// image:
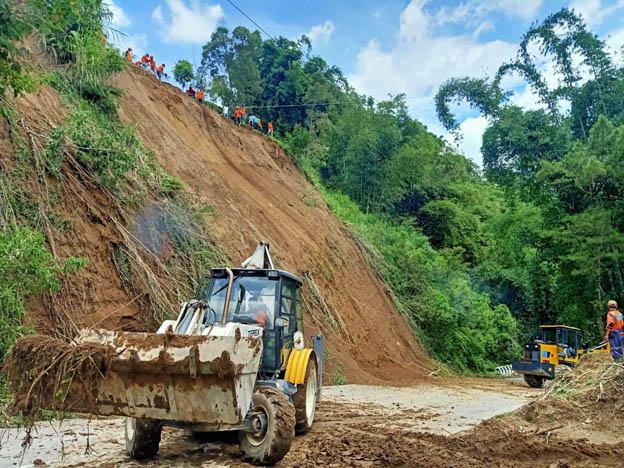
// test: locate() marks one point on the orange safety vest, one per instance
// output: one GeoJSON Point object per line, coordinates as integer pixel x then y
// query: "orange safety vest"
{"type": "Point", "coordinates": [152, 64]}
{"type": "Point", "coordinates": [270, 125]}
{"type": "Point", "coordinates": [615, 320]}
{"type": "Point", "coordinates": [243, 111]}
{"type": "Point", "coordinates": [259, 123]}
{"type": "Point", "coordinates": [129, 56]}
{"type": "Point", "coordinates": [160, 68]}
{"type": "Point", "coordinates": [200, 95]}
{"type": "Point", "coordinates": [145, 58]}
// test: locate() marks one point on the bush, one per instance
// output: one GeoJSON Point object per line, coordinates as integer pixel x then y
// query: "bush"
{"type": "Point", "coordinates": [26, 268]}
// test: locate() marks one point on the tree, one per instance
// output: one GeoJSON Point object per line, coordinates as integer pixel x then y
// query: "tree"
{"type": "Point", "coordinates": [183, 72]}
{"type": "Point", "coordinates": [517, 142]}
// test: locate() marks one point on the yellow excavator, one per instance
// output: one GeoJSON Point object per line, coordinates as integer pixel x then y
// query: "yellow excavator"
{"type": "Point", "coordinates": [233, 360]}
{"type": "Point", "coordinates": [552, 346]}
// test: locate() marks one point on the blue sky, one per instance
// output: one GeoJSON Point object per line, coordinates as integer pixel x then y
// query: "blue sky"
{"type": "Point", "coordinates": [382, 46]}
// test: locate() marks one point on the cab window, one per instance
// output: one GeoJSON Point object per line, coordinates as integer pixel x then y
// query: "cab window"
{"type": "Point", "coordinates": [287, 306]}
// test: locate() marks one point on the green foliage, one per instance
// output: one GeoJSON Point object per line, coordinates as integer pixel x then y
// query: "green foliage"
{"type": "Point", "coordinates": [183, 72]}
{"type": "Point", "coordinates": [13, 73]}
{"type": "Point", "coordinates": [239, 68]}
{"type": "Point", "coordinates": [104, 146]}
{"type": "Point", "coordinates": [74, 33]}
{"type": "Point", "coordinates": [169, 185]}
{"type": "Point", "coordinates": [435, 293]}
{"type": "Point", "coordinates": [26, 269]}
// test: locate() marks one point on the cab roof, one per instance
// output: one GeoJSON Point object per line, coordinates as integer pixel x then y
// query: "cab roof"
{"type": "Point", "coordinates": [560, 326]}
{"type": "Point", "coordinates": [221, 272]}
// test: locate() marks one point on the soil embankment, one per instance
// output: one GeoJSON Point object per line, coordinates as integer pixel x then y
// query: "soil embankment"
{"type": "Point", "coordinates": [256, 193]}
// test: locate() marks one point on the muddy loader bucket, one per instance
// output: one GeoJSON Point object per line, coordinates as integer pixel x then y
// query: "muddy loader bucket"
{"type": "Point", "coordinates": [198, 379]}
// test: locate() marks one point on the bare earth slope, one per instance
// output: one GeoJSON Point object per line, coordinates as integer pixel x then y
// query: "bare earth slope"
{"type": "Point", "coordinates": [257, 194]}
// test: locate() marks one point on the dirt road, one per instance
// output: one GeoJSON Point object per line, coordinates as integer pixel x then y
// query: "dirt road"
{"type": "Point", "coordinates": [445, 408]}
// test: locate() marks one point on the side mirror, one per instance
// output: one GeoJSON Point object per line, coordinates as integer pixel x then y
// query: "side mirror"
{"type": "Point", "coordinates": [282, 322]}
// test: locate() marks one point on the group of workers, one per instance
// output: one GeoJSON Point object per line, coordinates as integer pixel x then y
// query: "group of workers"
{"type": "Point", "coordinates": [240, 114]}
{"type": "Point", "coordinates": [240, 117]}
{"type": "Point", "coordinates": [147, 62]}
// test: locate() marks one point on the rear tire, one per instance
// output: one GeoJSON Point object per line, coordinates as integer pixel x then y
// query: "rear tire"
{"type": "Point", "coordinates": [142, 437]}
{"type": "Point", "coordinates": [534, 381]}
{"type": "Point", "coordinates": [305, 400]}
{"type": "Point", "coordinates": [271, 446]}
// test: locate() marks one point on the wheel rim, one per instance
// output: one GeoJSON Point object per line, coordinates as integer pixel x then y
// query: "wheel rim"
{"type": "Point", "coordinates": [130, 428]}
{"type": "Point", "coordinates": [311, 398]}
{"type": "Point", "coordinates": [257, 438]}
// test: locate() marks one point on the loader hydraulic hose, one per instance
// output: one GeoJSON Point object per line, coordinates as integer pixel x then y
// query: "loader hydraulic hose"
{"type": "Point", "coordinates": [226, 306]}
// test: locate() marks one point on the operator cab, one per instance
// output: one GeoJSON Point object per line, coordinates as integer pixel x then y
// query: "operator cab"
{"type": "Point", "coordinates": [557, 344]}
{"type": "Point", "coordinates": [264, 297]}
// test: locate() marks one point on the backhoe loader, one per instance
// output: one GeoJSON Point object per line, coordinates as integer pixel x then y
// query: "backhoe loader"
{"type": "Point", "coordinates": [233, 360]}
{"type": "Point", "coordinates": [552, 347]}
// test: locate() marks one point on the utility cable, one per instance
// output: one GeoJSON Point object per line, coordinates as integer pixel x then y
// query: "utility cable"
{"type": "Point", "coordinates": [250, 18]}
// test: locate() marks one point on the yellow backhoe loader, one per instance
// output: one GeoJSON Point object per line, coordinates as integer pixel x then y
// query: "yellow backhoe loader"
{"type": "Point", "coordinates": [552, 346]}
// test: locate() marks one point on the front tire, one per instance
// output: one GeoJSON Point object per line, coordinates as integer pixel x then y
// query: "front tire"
{"type": "Point", "coordinates": [271, 444]}
{"type": "Point", "coordinates": [534, 381]}
{"type": "Point", "coordinates": [305, 400]}
{"type": "Point", "coordinates": [142, 437]}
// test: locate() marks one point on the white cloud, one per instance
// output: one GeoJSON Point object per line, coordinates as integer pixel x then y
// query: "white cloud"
{"type": "Point", "coordinates": [471, 12]}
{"type": "Point", "coordinates": [472, 130]}
{"type": "Point", "coordinates": [193, 23]}
{"type": "Point", "coordinates": [120, 19]}
{"type": "Point", "coordinates": [420, 60]}
{"type": "Point", "coordinates": [615, 42]}
{"type": "Point", "coordinates": [593, 11]}
{"type": "Point", "coordinates": [320, 34]}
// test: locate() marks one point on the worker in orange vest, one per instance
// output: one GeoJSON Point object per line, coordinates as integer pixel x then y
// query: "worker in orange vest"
{"type": "Point", "coordinates": [614, 330]}
{"type": "Point", "coordinates": [237, 115]}
{"type": "Point", "coordinates": [129, 54]}
{"type": "Point", "coordinates": [160, 71]}
{"type": "Point", "coordinates": [259, 124]}
{"type": "Point", "coordinates": [152, 64]}
{"type": "Point", "coordinates": [243, 114]}
{"type": "Point", "coordinates": [270, 130]}
{"type": "Point", "coordinates": [145, 60]}
{"type": "Point", "coordinates": [200, 95]}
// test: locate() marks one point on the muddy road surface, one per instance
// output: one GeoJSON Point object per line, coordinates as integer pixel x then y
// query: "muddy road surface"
{"type": "Point", "coordinates": [444, 408]}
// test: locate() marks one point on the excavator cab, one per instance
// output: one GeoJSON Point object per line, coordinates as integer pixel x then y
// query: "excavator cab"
{"type": "Point", "coordinates": [550, 346]}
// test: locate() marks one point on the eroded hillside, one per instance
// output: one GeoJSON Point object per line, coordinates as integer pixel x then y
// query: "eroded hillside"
{"type": "Point", "coordinates": [254, 192]}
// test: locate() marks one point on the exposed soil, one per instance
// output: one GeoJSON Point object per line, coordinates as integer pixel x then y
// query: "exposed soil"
{"type": "Point", "coordinates": [257, 194]}
{"type": "Point", "coordinates": [362, 424]}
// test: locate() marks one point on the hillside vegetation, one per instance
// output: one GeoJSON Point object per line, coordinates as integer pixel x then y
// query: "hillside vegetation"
{"type": "Point", "coordinates": [472, 260]}
{"type": "Point", "coordinates": [475, 259]}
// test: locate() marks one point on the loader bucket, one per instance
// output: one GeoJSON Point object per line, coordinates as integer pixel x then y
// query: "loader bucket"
{"type": "Point", "coordinates": [196, 379]}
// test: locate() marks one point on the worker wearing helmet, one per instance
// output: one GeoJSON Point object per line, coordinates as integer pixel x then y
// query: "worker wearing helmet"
{"type": "Point", "coordinates": [613, 334]}
{"type": "Point", "coordinates": [129, 54]}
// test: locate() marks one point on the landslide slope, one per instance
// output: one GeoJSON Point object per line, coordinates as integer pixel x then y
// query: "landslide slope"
{"type": "Point", "coordinates": [256, 193]}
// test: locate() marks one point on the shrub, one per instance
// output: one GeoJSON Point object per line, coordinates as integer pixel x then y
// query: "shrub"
{"type": "Point", "coordinates": [26, 268]}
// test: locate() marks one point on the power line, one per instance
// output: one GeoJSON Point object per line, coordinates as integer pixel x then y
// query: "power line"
{"type": "Point", "coordinates": [297, 105]}
{"type": "Point", "coordinates": [249, 18]}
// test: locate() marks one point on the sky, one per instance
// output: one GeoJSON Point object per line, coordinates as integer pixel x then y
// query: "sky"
{"type": "Point", "coordinates": [383, 47]}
